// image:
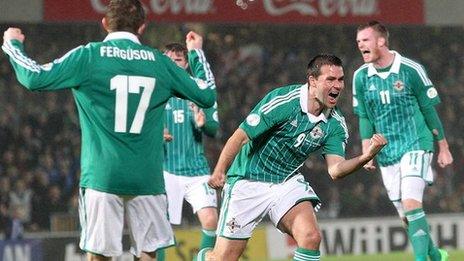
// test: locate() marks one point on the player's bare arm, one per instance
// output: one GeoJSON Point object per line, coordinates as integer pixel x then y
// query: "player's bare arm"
{"type": "Point", "coordinates": [370, 165]}
{"type": "Point", "coordinates": [338, 167]}
{"type": "Point", "coordinates": [13, 33]}
{"type": "Point", "coordinates": [230, 150]}
{"type": "Point", "coordinates": [193, 41]}
{"type": "Point", "coordinates": [444, 157]}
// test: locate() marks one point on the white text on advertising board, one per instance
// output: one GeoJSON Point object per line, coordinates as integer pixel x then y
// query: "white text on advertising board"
{"type": "Point", "coordinates": [194, 7]}
{"type": "Point", "coordinates": [322, 7]}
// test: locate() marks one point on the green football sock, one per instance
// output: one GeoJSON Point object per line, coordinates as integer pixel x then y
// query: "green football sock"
{"type": "Point", "coordinates": [418, 232]}
{"type": "Point", "coordinates": [201, 256]}
{"type": "Point", "coordinates": [160, 255]}
{"type": "Point", "coordinates": [433, 252]}
{"type": "Point", "coordinates": [208, 238]}
{"type": "Point", "coordinates": [303, 254]}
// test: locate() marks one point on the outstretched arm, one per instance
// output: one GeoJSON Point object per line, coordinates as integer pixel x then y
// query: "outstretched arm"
{"type": "Point", "coordinates": [230, 150]}
{"type": "Point", "coordinates": [201, 88]}
{"type": "Point", "coordinates": [68, 71]}
{"type": "Point", "coordinates": [339, 167]}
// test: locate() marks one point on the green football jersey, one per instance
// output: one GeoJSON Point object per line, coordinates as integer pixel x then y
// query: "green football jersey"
{"type": "Point", "coordinates": [185, 155]}
{"type": "Point", "coordinates": [283, 134]}
{"type": "Point", "coordinates": [120, 88]}
{"type": "Point", "coordinates": [391, 99]}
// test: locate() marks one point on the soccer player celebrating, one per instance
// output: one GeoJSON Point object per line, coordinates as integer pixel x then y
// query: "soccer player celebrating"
{"type": "Point", "coordinates": [186, 169]}
{"type": "Point", "coordinates": [393, 95]}
{"type": "Point", "coordinates": [121, 88]}
{"type": "Point", "coordinates": [269, 148]}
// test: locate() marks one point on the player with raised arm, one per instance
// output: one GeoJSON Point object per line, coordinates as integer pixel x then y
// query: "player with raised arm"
{"type": "Point", "coordinates": [267, 151]}
{"type": "Point", "coordinates": [120, 88]}
{"type": "Point", "coordinates": [393, 95]}
{"type": "Point", "coordinates": [186, 169]}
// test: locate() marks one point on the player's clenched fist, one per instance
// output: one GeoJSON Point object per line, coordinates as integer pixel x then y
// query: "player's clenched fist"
{"type": "Point", "coordinates": [193, 41]}
{"type": "Point", "coordinates": [13, 34]}
{"type": "Point", "coordinates": [217, 180]}
{"type": "Point", "coordinates": [377, 143]}
{"type": "Point", "coordinates": [167, 136]}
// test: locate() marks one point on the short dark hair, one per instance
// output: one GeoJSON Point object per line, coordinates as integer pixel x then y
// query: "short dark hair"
{"type": "Point", "coordinates": [177, 48]}
{"type": "Point", "coordinates": [378, 27]}
{"type": "Point", "coordinates": [125, 15]}
{"type": "Point", "coordinates": [315, 65]}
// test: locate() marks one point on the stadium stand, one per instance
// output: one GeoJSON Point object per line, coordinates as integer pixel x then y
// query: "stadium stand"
{"type": "Point", "coordinates": [40, 137]}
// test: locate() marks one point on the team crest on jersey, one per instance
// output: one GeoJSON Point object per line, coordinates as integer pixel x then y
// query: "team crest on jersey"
{"type": "Point", "coordinates": [432, 92]}
{"type": "Point", "coordinates": [253, 119]}
{"type": "Point", "coordinates": [316, 132]}
{"type": "Point", "coordinates": [233, 225]}
{"type": "Point", "coordinates": [398, 85]}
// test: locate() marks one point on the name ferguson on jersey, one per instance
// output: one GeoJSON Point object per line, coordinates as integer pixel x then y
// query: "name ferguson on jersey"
{"type": "Point", "coordinates": [127, 54]}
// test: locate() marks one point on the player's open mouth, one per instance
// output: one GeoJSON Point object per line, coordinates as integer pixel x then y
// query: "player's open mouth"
{"type": "Point", "coordinates": [334, 94]}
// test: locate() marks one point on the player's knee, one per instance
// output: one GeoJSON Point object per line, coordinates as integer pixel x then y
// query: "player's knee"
{"type": "Point", "coordinates": [309, 239]}
{"type": "Point", "coordinates": [209, 221]}
{"type": "Point", "coordinates": [210, 224]}
{"type": "Point", "coordinates": [411, 204]}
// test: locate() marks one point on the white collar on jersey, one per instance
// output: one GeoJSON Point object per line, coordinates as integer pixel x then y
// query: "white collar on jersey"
{"type": "Point", "coordinates": [122, 35]}
{"type": "Point", "coordinates": [304, 92]}
{"type": "Point", "coordinates": [395, 68]}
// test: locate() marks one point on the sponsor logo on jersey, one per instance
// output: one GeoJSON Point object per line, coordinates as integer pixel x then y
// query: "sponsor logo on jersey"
{"type": "Point", "coordinates": [316, 132]}
{"type": "Point", "coordinates": [372, 88]}
{"type": "Point", "coordinates": [168, 106]}
{"type": "Point", "coordinates": [253, 119]}
{"type": "Point", "coordinates": [432, 92]}
{"type": "Point", "coordinates": [233, 225]}
{"type": "Point", "coordinates": [294, 123]}
{"type": "Point", "coordinates": [398, 85]}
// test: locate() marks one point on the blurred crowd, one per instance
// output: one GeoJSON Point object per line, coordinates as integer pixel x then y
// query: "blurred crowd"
{"type": "Point", "coordinates": [40, 135]}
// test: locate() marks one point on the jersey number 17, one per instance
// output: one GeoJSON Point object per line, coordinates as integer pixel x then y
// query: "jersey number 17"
{"type": "Point", "coordinates": [123, 85]}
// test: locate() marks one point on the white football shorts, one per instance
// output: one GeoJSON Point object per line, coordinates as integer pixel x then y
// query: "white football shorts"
{"type": "Point", "coordinates": [102, 221]}
{"type": "Point", "coordinates": [407, 179]}
{"type": "Point", "coordinates": [195, 190]}
{"type": "Point", "coordinates": [246, 202]}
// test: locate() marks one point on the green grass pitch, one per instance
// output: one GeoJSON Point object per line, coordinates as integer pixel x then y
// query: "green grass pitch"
{"type": "Point", "coordinates": [399, 256]}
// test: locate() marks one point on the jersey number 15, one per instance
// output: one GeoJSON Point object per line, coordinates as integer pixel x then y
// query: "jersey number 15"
{"type": "Point", "coordinates": [123, 85]}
